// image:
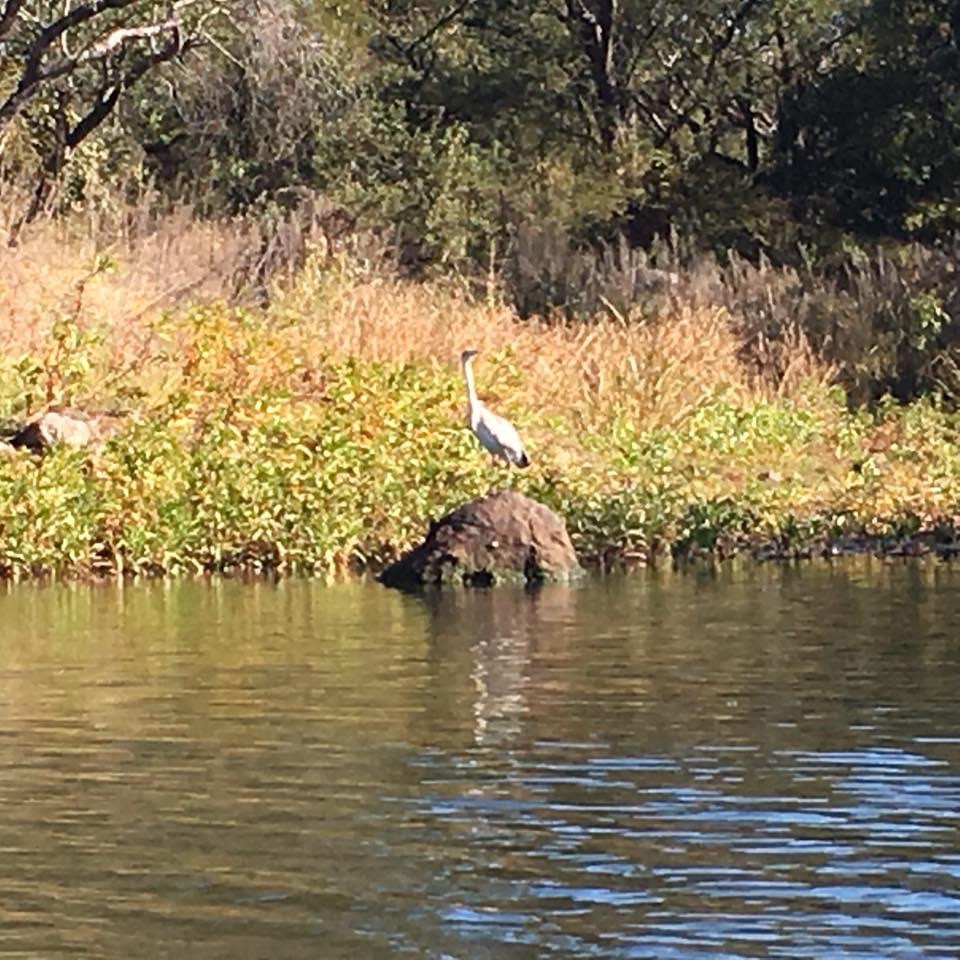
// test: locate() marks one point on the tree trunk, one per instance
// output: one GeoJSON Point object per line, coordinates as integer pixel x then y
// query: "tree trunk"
{"type": "Point", "coordinates": [596, 33]}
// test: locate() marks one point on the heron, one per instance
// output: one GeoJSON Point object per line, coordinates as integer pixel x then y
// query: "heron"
{"type": "Point", "coordinates": [496, 435]}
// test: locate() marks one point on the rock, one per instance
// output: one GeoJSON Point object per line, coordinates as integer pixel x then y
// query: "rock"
{"type": "Point", "coordinates": [502, 537]}
{"type": "Point", "coordinates": [75, 428]}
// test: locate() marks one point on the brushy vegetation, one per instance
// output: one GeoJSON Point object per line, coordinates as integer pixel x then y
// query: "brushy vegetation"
{"type": "Point", "coordinates": [322, 433]}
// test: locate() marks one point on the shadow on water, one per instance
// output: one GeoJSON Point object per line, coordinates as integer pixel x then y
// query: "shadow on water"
{"type": "Point", "coordinates": [742, 762]}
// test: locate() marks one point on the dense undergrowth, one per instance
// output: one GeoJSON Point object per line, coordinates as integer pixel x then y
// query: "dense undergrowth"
{"type": "Point", "coordinates": [323, 433]}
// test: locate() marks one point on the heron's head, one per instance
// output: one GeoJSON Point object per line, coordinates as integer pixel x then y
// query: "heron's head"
{"type": "Point", "coordinates": [467, 356]}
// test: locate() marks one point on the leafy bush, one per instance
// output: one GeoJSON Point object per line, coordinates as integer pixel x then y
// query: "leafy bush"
{"type": "Point", "coordinates": [247, 457]}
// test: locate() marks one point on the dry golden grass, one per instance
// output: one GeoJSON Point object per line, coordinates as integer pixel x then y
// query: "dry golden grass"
{"type": "Point", "coordinates": [654, 372]}
{"type": "Point", "coordinates": [154, 264]}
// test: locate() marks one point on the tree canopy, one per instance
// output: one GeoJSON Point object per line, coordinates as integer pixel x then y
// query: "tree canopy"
{"type": "Point", "coordinates": [748, 125]}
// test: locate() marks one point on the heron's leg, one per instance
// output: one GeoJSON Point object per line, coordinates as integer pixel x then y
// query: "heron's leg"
{"type": "Point", "coordinates": [495, 466]}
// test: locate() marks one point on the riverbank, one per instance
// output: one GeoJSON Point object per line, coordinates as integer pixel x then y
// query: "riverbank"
{"type": "Point", "coordinates": [323, 433]}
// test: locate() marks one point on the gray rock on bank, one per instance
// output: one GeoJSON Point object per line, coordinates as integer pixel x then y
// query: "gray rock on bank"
{"type": "Point", "coordinates": [65, 425]}
{"type": "Point", "coordinates": [503, 537]}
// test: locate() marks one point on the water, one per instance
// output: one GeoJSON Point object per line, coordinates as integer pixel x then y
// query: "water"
{"type": "Point", "coordinates": [761, 763]}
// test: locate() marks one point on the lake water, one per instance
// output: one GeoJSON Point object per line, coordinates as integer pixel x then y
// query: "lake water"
{"type": "Point", "coordinates": [761, 762]}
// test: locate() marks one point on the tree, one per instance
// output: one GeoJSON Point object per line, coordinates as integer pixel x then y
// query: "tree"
{"type": "Point", "coordinates": [872, 145]}
{"type": "Point", "coordinates": [247, 124]}
{"type": "Point", "coordinates": [66, 66]}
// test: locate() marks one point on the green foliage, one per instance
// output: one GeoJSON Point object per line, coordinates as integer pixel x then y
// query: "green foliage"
{"type": "Point", "coordinates": [793, 164]}
{"type": "Point", "coordinates": [890, 169]}
{"type": "Point", "coordinates": [229, 471]}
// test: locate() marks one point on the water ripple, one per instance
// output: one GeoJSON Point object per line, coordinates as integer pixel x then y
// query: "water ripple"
{"type": "Point", "coordinates": [679, 768]}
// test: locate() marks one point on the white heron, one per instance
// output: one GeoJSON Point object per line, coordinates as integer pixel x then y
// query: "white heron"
{"type": "Point", "coordinates": [496, 435]}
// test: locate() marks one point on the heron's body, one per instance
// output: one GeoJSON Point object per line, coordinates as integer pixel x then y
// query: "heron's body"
{"type": "Point", "coordinates": [496, 435]}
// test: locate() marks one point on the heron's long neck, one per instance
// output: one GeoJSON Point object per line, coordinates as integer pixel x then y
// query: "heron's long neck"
{"type": "Point", "coordinates": [473, 400]}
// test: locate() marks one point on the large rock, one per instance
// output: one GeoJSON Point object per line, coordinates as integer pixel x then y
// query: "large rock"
{"type": "Point", "coordinates": [500, 538]}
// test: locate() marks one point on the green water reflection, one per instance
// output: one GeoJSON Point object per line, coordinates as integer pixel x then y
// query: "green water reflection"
{"type": "Point", "coordinates": [756, 762]}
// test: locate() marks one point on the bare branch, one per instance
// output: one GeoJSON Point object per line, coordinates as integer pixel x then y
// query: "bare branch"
{"type": "Point", "coordinates": [109, 95]}
{"type": "Point", "coordinates": [118, 73]}
{"type": "Point", "coordinates": [36, 72]}
{"type": "Point", "coordinates": [119, 37]}
{"type": "Point", "coordinates": [440, 24]}
{"type": "Point", "coordinates": [596, 32]}
{"type": "Point", "coordinates": [52, 33]}
{"type": "Point", "coordinates": [721, 42]}
{"type": "Point", "coordinates": [31, 75]}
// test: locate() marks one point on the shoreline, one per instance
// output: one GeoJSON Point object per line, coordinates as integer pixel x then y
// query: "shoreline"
{"type": "Point", "coordinates": [322, 435]}
{"type": "Point", "coordinates": [314, 490]}
{"type": "Point", "coordinates": [922, 546]}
